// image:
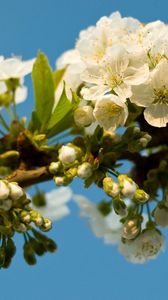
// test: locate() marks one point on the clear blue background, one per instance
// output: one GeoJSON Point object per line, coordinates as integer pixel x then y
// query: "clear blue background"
{"type": "Point", "coordinates": [84, 268]}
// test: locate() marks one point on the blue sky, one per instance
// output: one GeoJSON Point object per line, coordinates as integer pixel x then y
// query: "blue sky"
{"type": "Point", "coordinates": [84, 268]}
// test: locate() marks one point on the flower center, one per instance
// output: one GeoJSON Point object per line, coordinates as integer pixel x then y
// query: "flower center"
{"type": "Point", "coordinates": [161, 96]}
{"type": "Point", "coordinates": [113, 79]}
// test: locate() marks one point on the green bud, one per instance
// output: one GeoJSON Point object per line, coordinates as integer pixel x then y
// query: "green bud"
{"type": "Point", "coordinates": [37, 246]}
{"type": "Point", "coordinates": [104, 208]}
{"type": "Point", "coordinates": [55, 167]}
{"type": "Point", "coordinates": [50, 245]}
{"type": "Point", "coordinates": [39, 137]}
{"type": "Point", "coordinates": [10, 247]}
{"type": "Point", "coordinates": [119, 206]}
{"type": "Point", "coordinates": [29, 255]}
{"type": "Point", "coordinates": [2, 256]}
{"type": "Point", "coordinates": [39, 199]}
{"type": "Point", "coordinates": [140, 196]}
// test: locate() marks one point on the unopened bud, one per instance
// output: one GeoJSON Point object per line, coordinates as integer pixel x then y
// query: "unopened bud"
{"type": "Point", "coordinates": [120, 207]}
{"type": "Point", "coordinates": [140, 196]}
{"type": "Point", "coordinates": [127, 185]}
{"type": "Point", "coordinates": [84, 170]}
{"type": "Point", "coordinates": [5, 204]}
{"type": "Point", "coordinates": [110, 187]}
{"type": "Point", "coordinates": [25, 216]}
{"type": "Point", "coordinates": [161, 216]}
{"type": "Point", "coordinates": [131, 229]}
{"type": "Point", "coordinates": [54, 167]}
{"type": "Point", "coordinates": [4, 190]}
{"type": "Point", "coordinates": [20, 227]}
{"type": "Point", "coordinates": [36, 218]}
{"type": "Point", "coordinates": [59, 180]}
{"type": "Point", "coordinates": [47, 225]}
{"type": "Point", "coordinates": [16, 191]}
{"type": "Point", "coordinates": [67, 154]}
{"type": "Point", "coordinates": [83, 116]}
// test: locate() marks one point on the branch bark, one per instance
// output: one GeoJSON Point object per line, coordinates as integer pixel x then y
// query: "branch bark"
{"type": "Point", "coordinates": [27, 178]}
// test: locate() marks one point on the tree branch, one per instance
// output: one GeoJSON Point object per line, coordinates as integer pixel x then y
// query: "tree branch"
{"type": "Point", "coordinates": [27, 178]}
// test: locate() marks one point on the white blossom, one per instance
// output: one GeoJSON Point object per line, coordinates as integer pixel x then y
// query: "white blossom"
{"type": "Point", "coordinates": [115, 73]}
{"type": "Point", "coordinates": [145, 247]}
{"type": "Point", "coordinates": [127, 185]}
{"type": "Point", "coordinates": [4, 190]}
{"type": "Point", "coordinates": [15, 68]}
{"type": "Point", "coordinates": [107, 227]}
{"type": "Point", "coordinates": [71, 62]}
{"type": "Point", "coordinates": [16, 191]}
{"type": "Point", "coordinates": [110, 112]}
{"type": "Point", "coordinates": [154, 96]}
{"type": "Point", "coordinates": [56, 204]}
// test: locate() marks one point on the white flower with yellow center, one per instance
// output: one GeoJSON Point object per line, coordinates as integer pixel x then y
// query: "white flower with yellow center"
{"type": "Point", "coordinates": [154, 96]}
{"type": "Point", "coordinates": [110, 112]}
{"type": "Point", "coordinates": [114, 74]}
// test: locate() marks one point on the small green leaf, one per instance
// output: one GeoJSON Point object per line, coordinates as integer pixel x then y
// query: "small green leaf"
{"type": "Point", "coordinates": [43, 83]}
{"type": "Point", "coordinates": [62, 108]}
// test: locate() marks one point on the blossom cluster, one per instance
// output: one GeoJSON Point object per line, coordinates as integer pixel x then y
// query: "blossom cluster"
{"type": "Point", "coordinates": [119, 60]}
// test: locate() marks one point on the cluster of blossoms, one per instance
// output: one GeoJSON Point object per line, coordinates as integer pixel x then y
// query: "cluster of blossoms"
{"type": "Point", "coordinates": [17, 216]}
{"type": "Point", "coordinates": [119, 60]}
{"type": "Point", "coordinates": [121, 219]}
{"type": "Point", "coordinates": [116, 77]}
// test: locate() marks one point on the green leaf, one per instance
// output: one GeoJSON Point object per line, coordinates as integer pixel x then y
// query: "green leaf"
{"type": "Point", "coordinates": [58, 76]}
{"type": "Point", "coordinates": [43, 83]}
{"type": "Point", "coordinates": [34, 123]}
{"type": "Point", "coordinates": [65, 109]}
{"type": "Point", "coordinates": [61, 110]}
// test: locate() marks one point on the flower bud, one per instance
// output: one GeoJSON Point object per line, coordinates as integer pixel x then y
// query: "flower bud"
{"type": "Point", "coordinates": [54, 167]}
{"type": "Point", "coordinates": [59, 180]}
{"type": "Point", "coordinates": [16, 191]}
{"type": "Point", "coordinates": [83, 116]}
{"type": "Point", "coordinates": [143, 142]}
{"type": "Point", "coordinates": [127, 185]}
{"type": "Point", "coordinates": [67, 154]}
{"type": "Point", "coordinates": [5, 204]}
{"type": "Point", "coordinates": [131, 229]}
{"type": "Point", "coordinates": [4, 190]}
{"type": "Point", "coordinates": [110, 187]}
{"type": "Point", "coordinates": [36, 218]}
{"type": "Point", "coordinates": [47, 225]}
{"type": "Point", "coordinates": [161, 216]}
{"type": "Point", "coordinates": [120, 207]}
{"type": "Point", "coordinates": [28, 253]}
{"type": "Point", "coordinates": [84, 170]}
{"type": "Point", "coordinates": [25, 216]}
{"type": "Point", "coordinates": [20, 227]}
{"type": "Point", "coordinates": [140, 196]}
